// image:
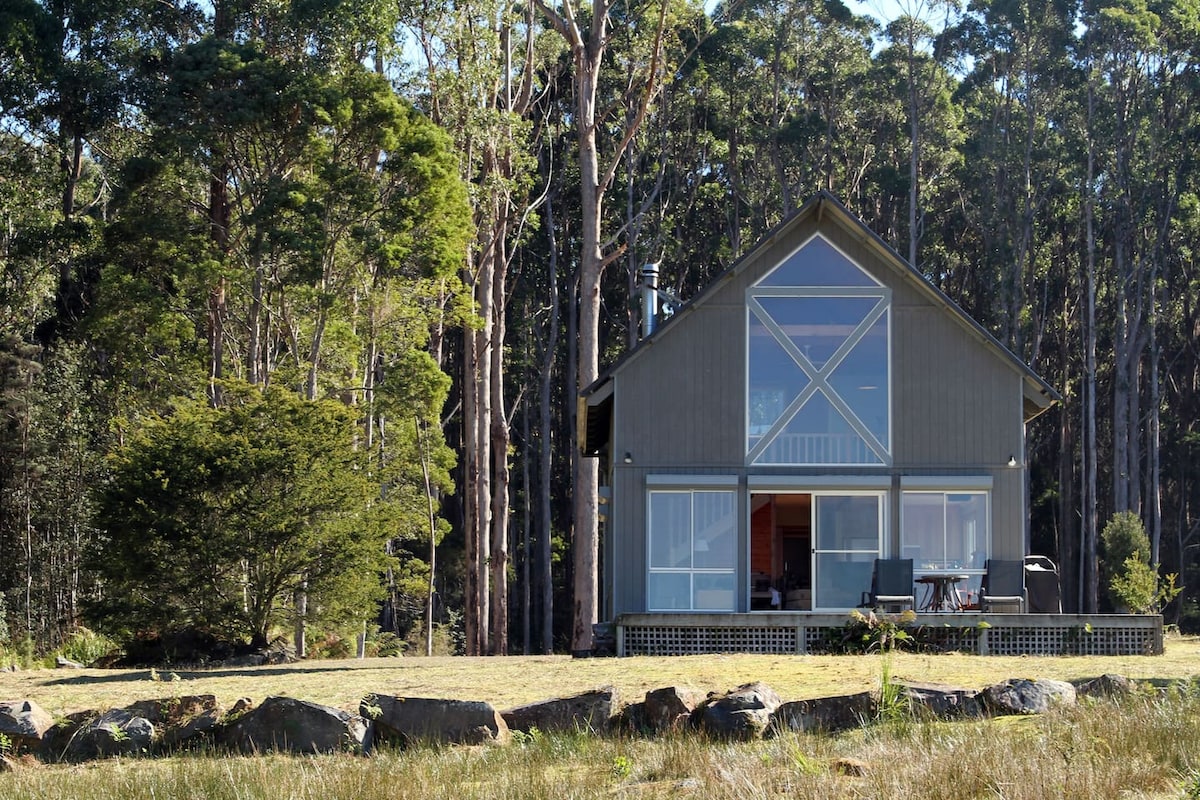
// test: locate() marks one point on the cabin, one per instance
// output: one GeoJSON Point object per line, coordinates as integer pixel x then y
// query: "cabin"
{"type": "Point", "coordinates": [819, 407]}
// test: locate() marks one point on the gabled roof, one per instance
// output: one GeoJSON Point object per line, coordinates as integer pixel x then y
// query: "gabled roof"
{"type": "Point", "coordinates": [1038, 395]}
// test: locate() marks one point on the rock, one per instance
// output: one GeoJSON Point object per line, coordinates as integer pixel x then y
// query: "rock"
{"type": "Point", "coordinates": [409, 719]}
{"type": "Point", "coordinates": [631, 720]}
{"type": "Point", "coordinates": [826, 714]}
{"type": "Point", "coordinates": [24, 723]}
{"type": "Point", "coordinates": [1110, 686]}
{"type": "Point", "coordinates": [59, 737]}
{"type": "Point", "coordinates": [62, 662]}
{"type": "Point", "coordinates": [589, 712]}
{"type": "Point", "coordinates": [1023, 696]}
{"type": "Point", "coordinates": [741, 714]}
{"type": "Point", "coordinates": [940, 700]}
{"type": "Point", "coordinates": [180, 720]}
{"type": "Point", "coordinates": [114, 733]}
{"type": "Point", "coordinates": [670, 709]}
{"type": "Point", "coordinates": [240, 706]}
{"type": "Point", "coordinates": [294, 726]}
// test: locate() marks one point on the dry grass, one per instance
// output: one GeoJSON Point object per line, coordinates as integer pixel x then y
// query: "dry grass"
{"type": "Point", "coordinates": [1144, 747]}
{"type": "Point", "coordinates": [506, 682]}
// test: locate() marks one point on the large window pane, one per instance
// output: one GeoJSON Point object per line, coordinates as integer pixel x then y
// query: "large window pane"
{"type": "Point", "coordinates": [670, 530]}
{"type": "Point", "coordinates": [715, 530]}
{"type": "Point", "coordinates": [842, 578]}
{"type": "Point", "coordinates": [945, 530]}
{"type": "Point", "coordinates": [848, 523]}
{"type": "Point", "coordinates": [693, 550]}
{"type": "Point", "coordinates": [818, 323]}
{"type": "Point", "coordinates": [818, 264]}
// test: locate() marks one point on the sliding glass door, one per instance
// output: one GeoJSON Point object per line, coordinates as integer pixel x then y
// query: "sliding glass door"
{"type": "Point", "coordinates": [848, 538]}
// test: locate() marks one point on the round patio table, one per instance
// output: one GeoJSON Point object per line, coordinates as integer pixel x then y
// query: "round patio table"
{"type": "Point", "coordinates": [942, 591]}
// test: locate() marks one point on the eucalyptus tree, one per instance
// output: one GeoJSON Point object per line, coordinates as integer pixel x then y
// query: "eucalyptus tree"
{"type": "Point", "coordinates": [481, 68]}
{"type": "Point", "coordinates": [913, 57]}
{"type": "Point", "coordinates": [588, 33]}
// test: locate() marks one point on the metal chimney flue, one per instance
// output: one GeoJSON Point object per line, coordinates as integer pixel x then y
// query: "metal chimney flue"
{"type": "Point", "coordinates": [649, 279]}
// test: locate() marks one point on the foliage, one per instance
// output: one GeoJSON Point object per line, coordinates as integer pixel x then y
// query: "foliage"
{"type": "Point", "coordinates": [1124, 538]}
{"type": "Point", "coordinates": [1139, 588]}
{"type": "Point", "coordinates": [871, 632]}
{"type": "Point", "coordinates": [1135, 584]}
{"type": "Point", "coordinates": [215, 517]}
{"type": "Point", "coordinates": [85, 646]}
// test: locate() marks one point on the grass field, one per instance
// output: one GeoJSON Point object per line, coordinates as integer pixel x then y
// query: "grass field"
{"type": "Point", "coordinates": [1146, 747]}
{"type": "Point", "coordinates": [506, 682]}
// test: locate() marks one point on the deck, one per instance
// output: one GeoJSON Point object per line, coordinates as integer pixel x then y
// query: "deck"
{"type": "Point", "coordinates": [800, 632]}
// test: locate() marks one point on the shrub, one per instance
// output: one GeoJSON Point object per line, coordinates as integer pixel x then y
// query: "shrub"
{"type": "Point", "coordinates": [86, 646]}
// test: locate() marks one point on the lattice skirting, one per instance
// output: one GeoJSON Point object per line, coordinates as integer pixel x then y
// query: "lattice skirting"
{"type": "Point", "coordinates": [1015, 635]}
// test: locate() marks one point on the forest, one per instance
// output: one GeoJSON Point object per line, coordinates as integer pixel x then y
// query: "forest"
{"type": "Point", "coordinates": [297, 296]}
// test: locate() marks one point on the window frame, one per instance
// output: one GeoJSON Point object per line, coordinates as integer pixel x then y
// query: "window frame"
{"type": "Point", "coordinates": [759, 438]}
{"type": "Point", "coordinates": [716, 486]}
{"type": "Point", "coordinates": [975, 570]}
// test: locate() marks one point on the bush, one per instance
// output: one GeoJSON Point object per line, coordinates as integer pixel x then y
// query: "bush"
{"type": "Point", "coordinates": [1124, 538]}
{"type": "Point", "coordinates": [86, 647]}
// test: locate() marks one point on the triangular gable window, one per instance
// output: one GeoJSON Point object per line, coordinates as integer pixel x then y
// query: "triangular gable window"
{"type": "Point", "coordinates": [818, 377]}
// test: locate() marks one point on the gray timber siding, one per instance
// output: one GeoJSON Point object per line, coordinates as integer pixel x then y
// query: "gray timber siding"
{"type": "Point", "coordinates": [679, 408]}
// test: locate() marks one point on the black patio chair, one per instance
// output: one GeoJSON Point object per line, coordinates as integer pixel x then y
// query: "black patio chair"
{"type": "Point", "coordinates": [1003, 584]}
{"type": "Point", "coordinates": [891, 585]}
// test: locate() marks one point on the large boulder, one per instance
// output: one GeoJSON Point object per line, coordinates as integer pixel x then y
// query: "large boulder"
{"type": "Point", "coordinates": [940, 700]}
{"type": "Point", "coordinates": [670, 708]}
{"type": "Point", "coordinates": [1024, 696]}
{"type": "Point", "coordinates": [742, 714]}
{"type": "Point", "coordinates": [294, 726]}
{"type": "Point", "coordinates": [827, 714]}
{"type": "Point", "coordinates": [411, 719]}
{"type": "Point", "coordinates": [181, 721]}
{"type": "Point", "coordinates": [24, 723]}
{"type": "Point", "coordinates": [114, 733]}
{"type": "Point", "coordinates": [589, 712]}
{"type": "Point", "coordinates": [1107, 686]}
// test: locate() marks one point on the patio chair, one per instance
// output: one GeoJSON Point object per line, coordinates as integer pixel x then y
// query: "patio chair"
{"type": "Point", "coordinates": [891, 585]}
{"type": "Point", "coordinates": [1003, 585]}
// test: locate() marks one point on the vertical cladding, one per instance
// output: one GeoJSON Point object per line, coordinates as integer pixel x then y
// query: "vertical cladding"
{"type": "Point", "coordinates": [957, 404]}
{"type": "Point", "coordinates": [627, 526]}
{"type": "Point", "coordinates": [683, 406]}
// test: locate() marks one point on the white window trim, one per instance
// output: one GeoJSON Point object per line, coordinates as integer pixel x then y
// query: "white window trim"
{"type": "Point", "coordinates": [880, 291]}
{"type": "Point", "coordinates": [690, 485]}
{"type": "Point", "coordinates": [947, 486]}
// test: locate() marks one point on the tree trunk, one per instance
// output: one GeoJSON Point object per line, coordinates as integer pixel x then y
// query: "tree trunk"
{"type": "Point", "coordinates": [546, 442]}
{"type": "Point", "coordinates": [1089, 584]}
{"type": "Point", "coordinates": [472, 612]}
{"type": "Point", "coordinates": [499, 442]}
{"type": "Point", "coordinates": [591, 267]}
